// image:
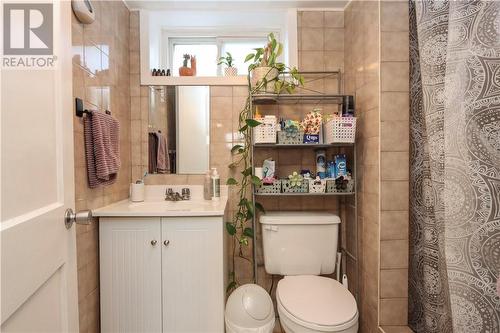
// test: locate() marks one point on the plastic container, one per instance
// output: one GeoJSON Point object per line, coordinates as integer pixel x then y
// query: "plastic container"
{"type": "Point", "coordinates": [249, 309]}
{"type": "Point", "coordinates": [266, 131]}
{"type": "Point", "coordinates": [340, 130]}
{"type": "Point", "coordinates": [207, 186]}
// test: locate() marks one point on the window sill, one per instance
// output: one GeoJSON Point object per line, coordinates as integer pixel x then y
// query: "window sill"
{"type": "Point", "coordinates": [240, 80]}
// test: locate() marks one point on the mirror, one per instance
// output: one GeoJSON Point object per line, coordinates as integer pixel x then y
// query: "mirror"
{"type": "Point", "coordinates": [179, 129]}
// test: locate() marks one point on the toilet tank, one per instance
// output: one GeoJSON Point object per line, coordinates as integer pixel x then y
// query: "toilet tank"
{"type": "Point", "coordinates": [299, 243]}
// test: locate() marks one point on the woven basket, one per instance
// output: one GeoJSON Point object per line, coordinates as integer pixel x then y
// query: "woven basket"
{"type": "Point", "coordinates": [287, 188]}
{"type": "Point", "coordinates": [331, 188]}
{"type": "Point", "coordinates": [296, 139]}
{"type": "Point", "coordinates": [274, 188]}
{"type": "Point", "coordinates": [317, 188]}
{"type": "Point", "coordinates": [340, 130]}
{"type": "Point", "coordinates": [266, 131]}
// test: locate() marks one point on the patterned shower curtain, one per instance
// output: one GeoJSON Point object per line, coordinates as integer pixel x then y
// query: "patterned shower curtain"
{"type": "Point", "coordinates": [455, 166]}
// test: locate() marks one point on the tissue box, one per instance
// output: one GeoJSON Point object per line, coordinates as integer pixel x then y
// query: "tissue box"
{"type": "Point", "coordinates": [311, 138]}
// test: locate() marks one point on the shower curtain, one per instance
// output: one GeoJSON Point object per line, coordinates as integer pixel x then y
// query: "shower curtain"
{"type": "Point", "coordinates": [455, 166]}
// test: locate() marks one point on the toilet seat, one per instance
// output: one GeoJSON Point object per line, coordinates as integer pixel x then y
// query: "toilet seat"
{"type": "Point", "coordinates": [317, 303]}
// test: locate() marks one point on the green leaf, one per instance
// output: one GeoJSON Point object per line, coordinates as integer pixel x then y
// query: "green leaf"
{"type": "Point", "coordinates": [231, 181]}
{"type": "Point", "coordinates": [249, 57]}
{"type": "Point", "coordinates": [236, 148]}
{"type": "Point", "coordinates": [243, 202]}
{"type": "Point", "coordinates": [244, 241]}
{"type": "Point", "coordinates": [243, 129]}
{"type": "Point", "coordinates": [248, 232]}
{"type": "Point", "coordinates": [252, 122]}
{"type": "Point", "coordinates": [280, 50]}
{"type": "Point", "coordinates": [231, 229]}
{"type": "Point", "coordinates": [270, 37]}
{"type": "Point", "coordinates": [232, 285]}
{"type": "Point", "coordinates": [247, 171]}
{"type": "Point", "coordinates": [259, 207]}
{"type": "Point", "coordinates": [256, 181]}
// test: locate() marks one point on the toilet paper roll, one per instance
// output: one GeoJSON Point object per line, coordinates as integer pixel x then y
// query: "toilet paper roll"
{"type": "Point", "coordinates": [136, 192]}
{"type": "Point", "coordinates": [259, 173]}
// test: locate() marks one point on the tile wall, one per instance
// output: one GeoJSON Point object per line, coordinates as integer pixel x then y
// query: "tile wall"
{"type": "Point", "coordinates": [376, 53]}
{"type": "Point", "coordinates": [362, 80]}
{"type": "Point", "coordinates": [101, 79]}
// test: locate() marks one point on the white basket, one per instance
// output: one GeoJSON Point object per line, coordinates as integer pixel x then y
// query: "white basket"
{"type": "Point", "coordinates": [340, 130]}
{"type": "Point", "coordinates": [317, 188]}
{"type": "Point", "coordinates": [266, 131]}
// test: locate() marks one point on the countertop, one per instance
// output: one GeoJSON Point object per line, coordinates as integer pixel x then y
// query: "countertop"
{"type": "Point", "coordinates": [155, 205]}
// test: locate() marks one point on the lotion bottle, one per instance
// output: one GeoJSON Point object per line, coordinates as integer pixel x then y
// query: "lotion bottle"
{"type": "Point", "coordinates": [215, 184]}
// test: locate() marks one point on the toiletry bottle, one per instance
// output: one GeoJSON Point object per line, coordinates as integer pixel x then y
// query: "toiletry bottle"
{"type": "Point", "coordinates": [321, 163]}
{"type": "Point", "coordinates": [215, 184]}
{"type": "Point", "coordinates": [207, 186]}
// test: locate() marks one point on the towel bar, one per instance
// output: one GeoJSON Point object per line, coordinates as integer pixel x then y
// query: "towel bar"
{"type": "Point", "coordinates": [80, 111]}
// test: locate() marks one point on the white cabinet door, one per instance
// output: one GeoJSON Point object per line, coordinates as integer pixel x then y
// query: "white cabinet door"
{"type": "Point", "coordinates": [130, 250]}
{"type": "Point", "coordinates": [193, 276]}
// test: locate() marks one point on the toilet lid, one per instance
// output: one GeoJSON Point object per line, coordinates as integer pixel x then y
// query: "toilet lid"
{"type": "Point", "coordinates": [317, 300]}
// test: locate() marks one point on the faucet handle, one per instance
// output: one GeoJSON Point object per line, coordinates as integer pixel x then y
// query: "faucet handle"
{"type": "Point", "coordinates": [186, 193]}
{"type": "Point", "coordinates": [169, 191]}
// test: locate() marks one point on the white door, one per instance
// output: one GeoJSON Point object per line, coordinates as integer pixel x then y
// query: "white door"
{"type": "Point", "coordinates": [130, 256]}
{"type": "Point", "coordinates": [193, 275]}
{"type": "Point", "coordinates": [38, 253]}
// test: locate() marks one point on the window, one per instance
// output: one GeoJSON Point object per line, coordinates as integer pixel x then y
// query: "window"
{"type": "Point", "coordinates": [207, 51]}
{"type": "Point", "coordinates": [239, 48]}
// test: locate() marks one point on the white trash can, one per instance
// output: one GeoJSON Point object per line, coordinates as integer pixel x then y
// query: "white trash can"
{"type": "Point", "coordinates": [249, 309]}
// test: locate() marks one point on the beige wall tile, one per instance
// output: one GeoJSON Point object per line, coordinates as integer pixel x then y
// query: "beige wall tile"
{"type": "Point", "coordinates": [221, 91]}
{"type": "Point", "coordinates": [394, 225]}
{"type": "Point", "coordinates": [312, 39]}
{"type": "Point", "coordinates": [393, 254]}
{"type": "Point", "coordinates": [333, 60]}
{"type": "Point", "coordinates": [393, 283]}
{"type": "Point", "coordinates": [334, 39]}
{"type": "Point", "coordinates": [394, 46]}
{"type": "Point", "coordinates": [334, 19]}
{"type": "Point", "coordinates": [221, 107]}
{"type": "Point", "coordinates": [311, 61]}
{"type": "Point", "coordinates": [394, 16]}
{"type": "Point", "coordinates": [394, 136]}
{"type": "Point", "coordinates": [394, 76]}
{"type": "Point", "coordinates": [397, 329]}
{"type": "Point", "coordinates": [394, 106]}
{"type": "Point", "coordinates": [394, 195]}
{"type": "Point", "coordinates": [394, 311]}
{"type": "Point", "coordinates": [371, 180]}
{"type": "Point", "coordinates": [311, 19]}
{"type": "Point", "coordinates": [394, 165]}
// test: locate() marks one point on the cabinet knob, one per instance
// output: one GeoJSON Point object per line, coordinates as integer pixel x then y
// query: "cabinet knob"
{"type": "Point", "coordinates": [166, 242]}
{"type": "Point", "coordinates": [154, 242]}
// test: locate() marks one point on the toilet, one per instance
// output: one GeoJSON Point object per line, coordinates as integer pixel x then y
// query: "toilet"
{"type": "Point", "coordinates": [301, 246]}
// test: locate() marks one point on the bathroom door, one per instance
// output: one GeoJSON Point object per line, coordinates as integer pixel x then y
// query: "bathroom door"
{"type": "Point", "coordinates": [38, 254]}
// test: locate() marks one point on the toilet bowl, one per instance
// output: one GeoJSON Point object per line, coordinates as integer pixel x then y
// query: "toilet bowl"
{"type": "Point", "coordinates": [314, 304]}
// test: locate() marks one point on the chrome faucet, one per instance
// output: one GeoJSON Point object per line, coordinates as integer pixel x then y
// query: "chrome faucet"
{"type": "Point", "coordinates": [170, 195]}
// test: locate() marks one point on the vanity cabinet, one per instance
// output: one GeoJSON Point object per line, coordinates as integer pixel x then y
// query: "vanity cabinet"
{"type": "Point", "coordinates": [162, 274]}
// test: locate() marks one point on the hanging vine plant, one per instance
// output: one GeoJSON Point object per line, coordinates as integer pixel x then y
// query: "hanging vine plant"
{"type": "Point", "coordinates": [265, 76]}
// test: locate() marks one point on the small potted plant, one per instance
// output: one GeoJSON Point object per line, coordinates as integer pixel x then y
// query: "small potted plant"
{"type": "Point", "coordinates": [265, 70]}
{"type": "Point", "coordinates": [228, 61]}
{"type": "Point", "coordinates": [185, 70]}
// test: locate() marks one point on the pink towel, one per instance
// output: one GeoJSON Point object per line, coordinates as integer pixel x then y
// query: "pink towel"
{"type": "Point", "coordinates": [102, 148]}
{"type": "Point", "coordinates": [162, 160]}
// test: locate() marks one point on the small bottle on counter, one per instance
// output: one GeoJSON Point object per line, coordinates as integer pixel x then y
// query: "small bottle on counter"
{"type": "Point", "coordinates": [215, 184]}
{"type": "Point", "coordinates": [207, 186]}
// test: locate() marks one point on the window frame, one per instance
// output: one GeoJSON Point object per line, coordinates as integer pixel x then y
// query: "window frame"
{"type": "Point", "coordinates": [170, 38]}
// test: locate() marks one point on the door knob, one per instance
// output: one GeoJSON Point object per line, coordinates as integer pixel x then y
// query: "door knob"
{"type": "Point", "coordinates": [82, 217]}
{"type": "Point", "coordinates": [166, 242]}
{"type": "Point", "coordinates": [154, 242]}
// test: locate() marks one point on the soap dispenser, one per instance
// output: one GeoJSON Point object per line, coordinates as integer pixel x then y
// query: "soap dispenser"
{"type": "Point", "coordinates": [215, 184]}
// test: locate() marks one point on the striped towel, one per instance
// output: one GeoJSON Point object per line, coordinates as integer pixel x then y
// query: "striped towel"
{"type": "Point", "coordinates": [102, 148]}
{"type": "Point", "coordinates": [162, 164]}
